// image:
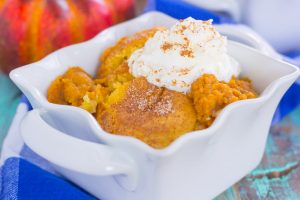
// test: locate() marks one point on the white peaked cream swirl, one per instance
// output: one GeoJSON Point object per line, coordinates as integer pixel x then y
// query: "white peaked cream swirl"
{"type": "Point", "coordinates": [176, 57]}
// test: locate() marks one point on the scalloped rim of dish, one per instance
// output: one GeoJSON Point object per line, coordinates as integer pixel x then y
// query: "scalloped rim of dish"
{"type": "Point", "coordinates": [178, 142]}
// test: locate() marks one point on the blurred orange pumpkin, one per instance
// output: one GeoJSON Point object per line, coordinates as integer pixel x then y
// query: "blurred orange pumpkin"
{"type": "Point", "coordinates": [31, 29]}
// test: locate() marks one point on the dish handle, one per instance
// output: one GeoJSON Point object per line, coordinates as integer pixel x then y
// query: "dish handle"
{"type": "Point", "coordinates": [247, 36]}
{"type": "Point", "coordinates": [76, 154]}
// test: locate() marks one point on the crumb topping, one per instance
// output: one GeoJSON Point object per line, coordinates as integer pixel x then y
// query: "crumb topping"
{"type": "Point", "coordinates": [151, 99]}
{"type": "Point", "coordinates": [164, 106]}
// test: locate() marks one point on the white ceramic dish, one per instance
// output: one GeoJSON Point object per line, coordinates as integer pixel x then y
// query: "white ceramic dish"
{"type": "Point", "coordinates": [198, 165]}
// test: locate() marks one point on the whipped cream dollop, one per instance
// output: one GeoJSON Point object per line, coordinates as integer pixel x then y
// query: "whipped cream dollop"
{"type": "Point", "coordinates": [174, 58]}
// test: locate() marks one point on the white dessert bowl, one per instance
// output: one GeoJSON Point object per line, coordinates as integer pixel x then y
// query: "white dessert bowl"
{"type": "Point", "coordinates": [198, 165]}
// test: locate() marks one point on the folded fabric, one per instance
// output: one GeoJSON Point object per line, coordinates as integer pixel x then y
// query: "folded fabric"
{"type": "Point", "coordinates": [23, 180]}
{"type": "Point", "coordinates": [25, 175]}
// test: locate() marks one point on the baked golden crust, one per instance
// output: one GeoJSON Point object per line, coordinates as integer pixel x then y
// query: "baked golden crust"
{"type": "Point", "coordinates": [130, 106]}
{"type": "Point", "coordinates": [154, 115]}
{"type": "Point", "coordinates": [116, 55]}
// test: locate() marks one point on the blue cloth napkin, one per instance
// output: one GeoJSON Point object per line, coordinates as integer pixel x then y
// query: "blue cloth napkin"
{"type": "Point", "coordinates": [24, 180]}
{"type": "Point", "coordinates": [25, 175]}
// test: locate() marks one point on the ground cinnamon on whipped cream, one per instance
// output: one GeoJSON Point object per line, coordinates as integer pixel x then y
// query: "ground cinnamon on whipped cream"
{"type": "Point", "coordinates": [174, 58]}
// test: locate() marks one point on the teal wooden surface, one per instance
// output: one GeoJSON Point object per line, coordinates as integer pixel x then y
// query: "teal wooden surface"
{"type": "Point", "coordinates": [278, 175]}
{"type": "Point", "coordinates": [9, 99]}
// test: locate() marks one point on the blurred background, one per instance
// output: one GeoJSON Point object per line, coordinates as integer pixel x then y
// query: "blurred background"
{"type": "Point", "coordinates": [31, 29]}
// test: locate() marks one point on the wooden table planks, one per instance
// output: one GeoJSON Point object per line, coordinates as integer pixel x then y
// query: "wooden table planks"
{"type": "Point", "coordinates": [278, 175]}
{"type": "Point", "coordinates": [9, 99]}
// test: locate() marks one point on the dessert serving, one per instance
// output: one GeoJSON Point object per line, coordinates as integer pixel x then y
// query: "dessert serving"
{"type": "Point", "coordinates": [169, 88]}
{"type": "Point", "coordinates": [158, 84]}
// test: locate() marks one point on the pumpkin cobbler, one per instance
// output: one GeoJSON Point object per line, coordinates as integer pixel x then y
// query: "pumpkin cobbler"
{"type": "Point", "coordinates": [158, 84]}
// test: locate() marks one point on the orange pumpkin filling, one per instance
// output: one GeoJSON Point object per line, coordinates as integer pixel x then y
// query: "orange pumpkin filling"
{"type": "Point", "coordinates": [130, 106]}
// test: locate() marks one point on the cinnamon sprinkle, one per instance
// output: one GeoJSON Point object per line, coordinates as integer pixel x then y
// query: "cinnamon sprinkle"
{"type": "Point", "coordinates": [184, 71]}
{"type": "Point", "coordinates": [207, 22]}
{"type": "Point", "coordinates": [187, 53]}
{"type": "Point", "coordinates": [186, 40]}
{"type": "Point", "coordinates": [174, 82]}
{"type": "Point", "coordinates": [155, 101]}
{"type": "Point", "coordinates": [166, 46]}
